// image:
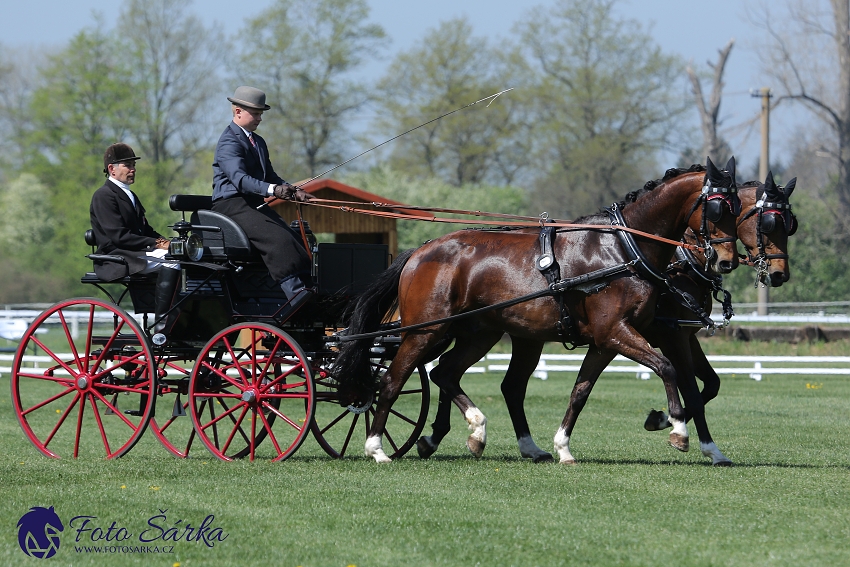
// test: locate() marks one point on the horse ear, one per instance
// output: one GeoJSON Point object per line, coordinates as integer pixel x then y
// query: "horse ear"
{"type": "Point", "coordinates": [768, 181]}
{"type": "Point", "coordinates": [789, 187]}
{"type": "Point", "coordinates": [710, 169]}
{"type": "Point", "coordinates": [730, 167]}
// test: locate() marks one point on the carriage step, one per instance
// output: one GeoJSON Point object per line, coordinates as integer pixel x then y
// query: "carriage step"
{"type": "Point", "coordinates": [136, 413]}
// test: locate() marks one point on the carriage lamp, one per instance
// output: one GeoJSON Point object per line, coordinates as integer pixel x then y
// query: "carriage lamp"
{"type": "Point", "coordinates": [186, 246]}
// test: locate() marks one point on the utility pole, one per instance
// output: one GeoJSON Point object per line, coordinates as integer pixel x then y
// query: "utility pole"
{"type": "Point", "coordinates": [764, 164]}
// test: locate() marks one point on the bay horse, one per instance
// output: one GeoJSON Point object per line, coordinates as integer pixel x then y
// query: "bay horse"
{"type": "Point", "coordinates": [765, 241]}
{"type": "Point", "coordinates": [472, 269]}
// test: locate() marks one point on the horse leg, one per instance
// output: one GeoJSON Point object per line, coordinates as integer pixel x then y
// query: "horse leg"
{"type": "Point", "coordinates": [623, 339]}
{"type": "Point", "coordinates": [447, 375]}
{"type": "Point", "coordinates": [427, 444]}
{"type": "Point", "coordinates": [704, 371]}
{"type": "Point", "coordinates": [592, 366]}
{"type": "Point", "coordinates": [711, 386]}
{"type": "Point", "coordinates": [413, 347]}
{"type": "Point", "coordinates": [524, 359]}
{"type": "Point", "coordinates": [468, 349]}
{"type": "Point", "coordinates": [694, 362]}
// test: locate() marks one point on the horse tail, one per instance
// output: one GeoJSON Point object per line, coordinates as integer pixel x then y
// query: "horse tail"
{"type": "Point", "coordinates": [352, 369]}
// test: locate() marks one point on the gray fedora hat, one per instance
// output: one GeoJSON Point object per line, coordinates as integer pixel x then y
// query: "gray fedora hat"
{"type": "Point", "coordinates": [249, 97]}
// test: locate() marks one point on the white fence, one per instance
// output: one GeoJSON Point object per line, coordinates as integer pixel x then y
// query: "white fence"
{"type": "Point", "coordinates": [755, 365]}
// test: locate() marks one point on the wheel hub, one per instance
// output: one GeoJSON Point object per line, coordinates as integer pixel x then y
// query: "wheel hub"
{"type": "Point", "coordinates": [83, 382]}
{"type": "Point", "coordinates": [361, 407]}
{"type": "Point", "coordinates": [249, 396]}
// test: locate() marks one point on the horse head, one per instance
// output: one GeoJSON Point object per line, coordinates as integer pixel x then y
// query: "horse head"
{"type": "Point", "coordinates": [719, 206]}
{"type": "Point", "coordinates": [765, 227]}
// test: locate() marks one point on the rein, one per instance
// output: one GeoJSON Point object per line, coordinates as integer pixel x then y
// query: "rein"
{"type": "Point", "coordinates": [524, 222]}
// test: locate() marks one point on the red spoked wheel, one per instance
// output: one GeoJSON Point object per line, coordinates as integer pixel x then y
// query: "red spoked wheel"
{"type": "Point", "coordinates": [171, 423]}
{"type": "Point", "coordinates": [87, 388]}
{"type": "Point", "coordinates": [335, 427]}
{"type": "Point", "coordinates": [251, 382]}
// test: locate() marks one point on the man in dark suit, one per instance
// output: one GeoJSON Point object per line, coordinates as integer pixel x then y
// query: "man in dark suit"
{"type": "Point", "coordinates": [121, 229]}
{"type": "Point", "coordinates": [243, 177]}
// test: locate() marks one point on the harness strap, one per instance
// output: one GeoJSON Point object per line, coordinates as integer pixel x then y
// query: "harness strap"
{"type": "Point", "coordinates": [558, 287]}
{"type": "Point", "coordinates": [648, 272]}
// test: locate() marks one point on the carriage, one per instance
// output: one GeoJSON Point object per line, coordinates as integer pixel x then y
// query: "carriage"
{"type": "Point", "coordinates": [234, 375]}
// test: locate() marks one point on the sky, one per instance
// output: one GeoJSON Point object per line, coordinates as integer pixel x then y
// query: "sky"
{"type": "Point", "coordinates": [693, 29]}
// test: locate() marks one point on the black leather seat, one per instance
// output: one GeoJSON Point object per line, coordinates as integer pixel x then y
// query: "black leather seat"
{"type": "Point", "coordinates": [229, 241]}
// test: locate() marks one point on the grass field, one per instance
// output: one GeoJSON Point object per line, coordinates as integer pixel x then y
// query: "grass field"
{"type": "Point", "coordinates": [631, 500]}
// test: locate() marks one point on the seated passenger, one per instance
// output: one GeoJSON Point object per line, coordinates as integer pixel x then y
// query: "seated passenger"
{"type": "Point", "coordinates": [121, 229]}
{"type": "Point", "coordinates": [242, 178]}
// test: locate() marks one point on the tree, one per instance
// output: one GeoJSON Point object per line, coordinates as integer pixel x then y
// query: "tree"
{"type": "Point", "coordinates": [448, 69]}
{"type": "Point", "coordinates": [713, 145]}
{"type": "Point", "coordinates": [80, 108]}
{"type": "Point", "coordinates": [808, 56]}
{"type": "Point", "coordinates": [607, 99]}
{"type": "Point", "coordinates": [303, 53]}
{"type": "Point", "coordinates": [173, 63]}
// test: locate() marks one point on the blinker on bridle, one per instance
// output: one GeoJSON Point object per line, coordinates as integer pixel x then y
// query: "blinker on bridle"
{"type": "Point", "coordinates": [712, 200]}
{"type": "Point", "coordinates": [766, 212]}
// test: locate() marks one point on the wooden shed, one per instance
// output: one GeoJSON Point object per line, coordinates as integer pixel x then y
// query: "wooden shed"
{"type": "Point", "coordinates": [347, 227]}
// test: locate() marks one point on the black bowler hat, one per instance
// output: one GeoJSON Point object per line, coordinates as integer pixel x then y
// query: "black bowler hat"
{"type": "Point", "coordinates": [116, 153]}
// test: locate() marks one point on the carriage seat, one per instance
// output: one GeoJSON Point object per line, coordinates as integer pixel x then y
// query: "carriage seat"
{"type": "Point", "coordinates": [229, 242]}
{"type": "Point", "coordinates": [92, 278]}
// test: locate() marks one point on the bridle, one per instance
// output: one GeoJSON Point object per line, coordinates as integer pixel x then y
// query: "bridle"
{"type": "Point", "coordinates": [712, 200]}
{"type": "Point", "coordinates": [766, 213]}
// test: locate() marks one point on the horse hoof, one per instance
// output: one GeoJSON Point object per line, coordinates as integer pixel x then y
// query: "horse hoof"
{"type": "Point", "coordinates": [544, 458]}
{"type": "Point", "coordinates": [722, 464]}
{"type": "Point", "coordinates": [656, 421]}
{"type": "Point", "coordinates": [425, 448]}
{"type": "Point", "coordinates": [679, 442]}
{"type": "Point", "coordinates": [475, 447]}
{"type": "Point", "coordinates": [569, 462]}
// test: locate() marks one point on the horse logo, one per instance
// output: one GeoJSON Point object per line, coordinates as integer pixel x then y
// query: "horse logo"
{"type": "Point", "coordinates": [38, 532]}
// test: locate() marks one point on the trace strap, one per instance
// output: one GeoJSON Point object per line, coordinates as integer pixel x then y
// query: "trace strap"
{"type": "Point", "coordinates": [557, 287]}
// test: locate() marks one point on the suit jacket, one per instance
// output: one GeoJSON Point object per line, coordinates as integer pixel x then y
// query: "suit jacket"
{"type": "Point", "coordinates": [239, 169]}
{"type": "Point", "coordinates": [120, 229]}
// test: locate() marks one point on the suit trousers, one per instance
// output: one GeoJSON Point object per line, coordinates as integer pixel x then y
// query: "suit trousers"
{"type": "Point", "coordinates": [280, 246]}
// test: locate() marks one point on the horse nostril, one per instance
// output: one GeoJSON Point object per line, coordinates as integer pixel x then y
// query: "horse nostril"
{"type": "Point", "coordinates": [725, 266]}
{"type": "Point", "coordinates": [777, 279]}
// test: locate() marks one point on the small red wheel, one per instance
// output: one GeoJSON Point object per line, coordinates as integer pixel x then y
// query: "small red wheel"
{"type": "Point", "coordinates": [335, 427]}
{"type": "Point", "coordinates": [171, 423]}
{"type": "Point", "coordinates": [250, 382]}
{"type": "Point", "coordinates": [93, 370]}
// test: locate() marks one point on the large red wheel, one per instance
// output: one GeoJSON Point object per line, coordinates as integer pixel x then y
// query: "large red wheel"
{"type": "Point", "coordinates": [171, 423]}
{"type": "Point", "coordinates": [83, 379]}
{"type": "Point", "coordinates": [251, 382]}
{"type": "Point", "coordinates": [335, 427]}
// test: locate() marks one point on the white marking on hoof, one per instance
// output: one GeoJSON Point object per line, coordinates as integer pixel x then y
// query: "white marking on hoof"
{"type": "Point", "coordinates": [679, 435]}
{"type": "Point", "coordinates": [478, 426]}
{"type": "Point", "coordinates": [529, 449]}
{"type": "Point", "coordinates": [562, 447]}
{"type": "Point", "coordinates": [718, 459]}
{"type": "Point", "coordinates": [375, 449]}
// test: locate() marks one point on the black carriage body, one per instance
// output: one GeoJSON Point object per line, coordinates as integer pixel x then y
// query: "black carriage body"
{"type": "Point", "coordinates": [232, 285]}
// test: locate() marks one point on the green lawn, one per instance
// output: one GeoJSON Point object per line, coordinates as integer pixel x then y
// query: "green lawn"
{"type": "Point", "coordinates": [631, 500]}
